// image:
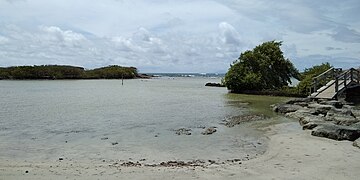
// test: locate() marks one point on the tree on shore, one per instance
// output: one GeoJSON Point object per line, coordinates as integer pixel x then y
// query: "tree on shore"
{"type": "Point", "coordinates": [67, 72]}
{"type": "Point", "coordinates": [263, 68]}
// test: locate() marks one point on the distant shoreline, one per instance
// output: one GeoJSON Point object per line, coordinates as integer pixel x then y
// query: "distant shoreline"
{"type": "Point", "coordinates": [65, 72]}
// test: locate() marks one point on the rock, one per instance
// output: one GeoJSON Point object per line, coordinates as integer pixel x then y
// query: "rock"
{"type": "Point", "coordinates": [356, 125]}
{"type": "Point", "coordinates": [26, 171]}
{"type": "Point", "coordinates": [302, 104]}
{"type": "Point", "coordinates": [301, 113]}
{"type": "Point", "coordinates": [183, 131]}
{"type": "Point", "coordinates": [356, 113]}
{"type": "Point", "coordinates": [182, 163]}
{"type": "Point", "coordinates": [61, 158]}
{"type": "Point", "coordinates": [209, 131]}
{"type": "Point", "coordinates": [298, 100]}
{"type": "Point", "coordinates": [310, 126]}
{"type": "Point", "coordinates": [336, 132]}
{"type": "Point", "coordinates": [114, 143]}
{"type": "Point", "coordinates": [214, 84]}
{"type": "Point", "coordinates": [212, 161]}
{"type": "Point", "coordinates": [341, 117]}
{"type": "Point", "coordinates": [130, 164]}
{"type": "Point", "coordinates": [310, 118]}
{"type": "Point", "coordinates": [320, 108]}
{"type": "Point", "coordinates": [287, 108]}
{"type": "Point", "coordinates": [334, 103]}
{"type": "Point", "coordinates": [235, 120]}
{"type": "Point", "coordinates": [346, 121]}
{"type": "Point", "coordinates": [357, 143]}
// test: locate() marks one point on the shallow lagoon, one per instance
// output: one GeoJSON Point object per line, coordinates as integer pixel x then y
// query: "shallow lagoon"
{"type": "Point", "coordinates": [95, 120]}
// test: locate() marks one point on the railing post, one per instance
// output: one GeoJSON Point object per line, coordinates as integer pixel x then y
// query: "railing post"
{"type": "Point", "coordinates": [315, 84]}
{"type": "Point", "coordinates": [336, 84]}
{"type": "Point", "coordinates": [351, 75]}
{"type": "Point", "coordinates": [345, 79]}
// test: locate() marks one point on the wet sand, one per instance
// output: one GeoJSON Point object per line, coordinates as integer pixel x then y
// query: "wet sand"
{"type": "Point", "coordinates": [291, 154]}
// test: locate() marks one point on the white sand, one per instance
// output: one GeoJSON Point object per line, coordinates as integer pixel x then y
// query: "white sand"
{"type": "Point", "coordinates": [292, 154]}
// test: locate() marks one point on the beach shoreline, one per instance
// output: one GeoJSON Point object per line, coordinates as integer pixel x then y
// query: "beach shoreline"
{"type": "Point", "coordinates": [291, 154]}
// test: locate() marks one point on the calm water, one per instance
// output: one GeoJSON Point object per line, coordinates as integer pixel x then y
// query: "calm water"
{"type": "Point", "coordinates": [81, 120]}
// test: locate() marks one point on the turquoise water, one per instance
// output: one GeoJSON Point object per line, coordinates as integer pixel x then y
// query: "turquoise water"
{"type": "Point", "coordinates": [101, 119]}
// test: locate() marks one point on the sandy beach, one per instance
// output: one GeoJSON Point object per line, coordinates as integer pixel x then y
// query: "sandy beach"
{"type": "Point", "coordinates": [291, 154]}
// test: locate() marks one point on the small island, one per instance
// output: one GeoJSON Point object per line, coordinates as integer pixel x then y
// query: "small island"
{"type": "Point", "coordinates": [52, 72]}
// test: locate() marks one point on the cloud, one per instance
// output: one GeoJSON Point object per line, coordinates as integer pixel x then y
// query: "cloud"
{"type": "Point", "coordinates": [14, 1]}
{"type": "Point", "coordinates": [178, 36]}
{"type": "Point", "coordinates": [333, 48]}
{"type": "Point", "coordinates": [228, 34]}
{"type": "Point", "coordinates": [317, 59]}
{"type": "Point", "coordinates": [345, 34]}
{"type": "Point", "coordinates": [3, 40]}
{"type": "Point", "coordinates": [67, 37]}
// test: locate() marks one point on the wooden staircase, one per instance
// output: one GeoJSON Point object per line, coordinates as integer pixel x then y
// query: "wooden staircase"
{"type": "Point", "coordinates": [336, 81]}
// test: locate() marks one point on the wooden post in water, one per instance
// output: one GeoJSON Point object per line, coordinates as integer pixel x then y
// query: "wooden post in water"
{"type": "Point", "coordinates": [122, 79]}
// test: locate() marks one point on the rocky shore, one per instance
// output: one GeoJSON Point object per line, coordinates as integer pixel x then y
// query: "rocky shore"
{"type": "Point", "coordinates": [325, 118]}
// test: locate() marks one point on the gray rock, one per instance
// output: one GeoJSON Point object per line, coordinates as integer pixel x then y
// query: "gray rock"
{"type": "Point", "coordinates": [183, 131]}
{"type": "Point", "coordinates": [302, 104]}
{"type": "Point", "coordinates": [356, 113]}
{"type": "Point", "coordinates": [309, 126]}
{"type": "Point", "coordinates": [209, 131]}
{"type": "Point", "coordinates": [214, 84]}
{"type": "Point", "coordinates": [356, 125]}
{"type": "Point", "coordinates": [235, 120]}
{"type": "Point", "coordinates": [286, 108]}
{"type": "Point", "coordinates": [341, 117]}
{"type": "Point", "coordinates": [336, 132]}
{"type": "Point", "coordinates": [334, 103]}
{"type": "Point", "coordinates": [320, 108]}
{"type": "Point", "coordinates": [357, 143]}
{"type": "Point", "coordinates": [301, 113]}
{"type": "Point", "coordinates": [343, 112]}
{"type": "Point", "coordinates": [310, 119]}
{"type": "Point", "coordinates": [298, 100]}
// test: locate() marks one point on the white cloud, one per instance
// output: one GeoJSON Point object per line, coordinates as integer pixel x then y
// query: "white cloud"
{"type": "Point", "coordinates": [181, 36]}
{"type": "Point", "coordinates": [3, 40]}
{"type": "Point", "coordinates": [61, 37]}
{"type": "Point", "coordinates": [228, 34]}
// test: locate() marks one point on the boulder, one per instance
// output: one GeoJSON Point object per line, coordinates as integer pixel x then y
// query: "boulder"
{"type": "Point", "coordinates": [209, 131]}
{"type": "Point", "coordinates": [356, 113]}
{"type": "Point", "coordinates": [342, 112]}
{"type": "Point", "coordinates": [357, 143]}
{"type": "Point", "coordinates": [309, 126]}
{"type": "Point", "coordinates": [214, 84]}
{"type": "Point", "coordinates": [286, 108]}
{"type": "Point", "coordinates": [336, 132]}
{"type": "Point", "coordinates": [183, 131]}
{"type": "Point", "coordinates": [334, 103]}
{"type": "Point", "coordinates": [235, 120]}
{"type": "Point", "coordinates": [356, 125]}
{"type": "Point", "coordinates": [341, 117]}
{"type": "Point", "coordinates": [298, 100]}
{"type": "Point", "coordinates": [320, 108]}
{"type": "Point", "coordinates": [301, 113]}
{"type": "Point", "coordinates": [310, 119]}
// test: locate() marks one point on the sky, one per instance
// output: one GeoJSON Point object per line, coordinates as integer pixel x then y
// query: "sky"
{"type": "Point", "coordinates": [203, 36]}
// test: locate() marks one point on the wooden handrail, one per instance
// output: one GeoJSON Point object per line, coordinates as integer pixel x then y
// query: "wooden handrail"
{"type": "Point", "coordinates": [352, 75]}
{"type": "Point", "coordinates": [341, 80]}
{"type": "Point", "coordinates": [330, 73]}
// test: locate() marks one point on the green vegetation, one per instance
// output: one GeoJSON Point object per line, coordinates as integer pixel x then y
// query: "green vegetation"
{"type": "Point", "coordinates": [265, 71]}
{"type": "Point", "coordinates": [309, 74]}
{"type": "Point", "coordinates": [261, 69]}
{"type": "Point", "coordinates": [67, 72]}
